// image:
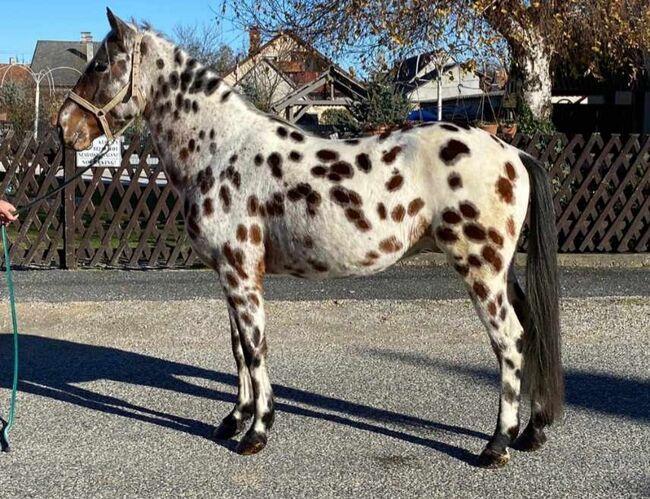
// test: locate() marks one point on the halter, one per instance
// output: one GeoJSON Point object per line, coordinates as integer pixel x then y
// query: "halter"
{"type": "Point", "coordinates": [132, 85]}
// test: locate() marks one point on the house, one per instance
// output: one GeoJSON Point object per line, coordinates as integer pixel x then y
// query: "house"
{"type": "Point", "coordinates": [466, 95]}
{"type": "Point", "coordinates": [65, 60]}
{"type": "Point", "coordinates": [288, 76]}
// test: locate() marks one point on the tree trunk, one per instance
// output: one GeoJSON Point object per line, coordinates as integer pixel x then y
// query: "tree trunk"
{"type": "Point", "coordinates": [532, 76]}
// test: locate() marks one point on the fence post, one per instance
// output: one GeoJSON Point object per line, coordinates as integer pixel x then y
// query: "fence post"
{"type": "Point", "coordinates": [69, 167]}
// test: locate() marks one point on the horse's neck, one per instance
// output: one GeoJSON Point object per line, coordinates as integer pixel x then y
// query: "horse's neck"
{"type": "Point", "coordinates": [178, 112]}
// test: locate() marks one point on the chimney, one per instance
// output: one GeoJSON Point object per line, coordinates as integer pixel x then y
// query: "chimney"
{"type": "Point", "coordinates": [87, 40]}
{"type": "Point", "coordinates": [254, 38]}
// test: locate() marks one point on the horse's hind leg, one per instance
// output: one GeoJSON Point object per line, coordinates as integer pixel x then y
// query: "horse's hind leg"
{"type": "Point", "coordinates": [505, 332]}
{"type": "Point", "coordinates": [235, 422]}
{"type": "Point", "coordinates": [483, 261]}
{"type": "Point", "coordinates": [533, 436]}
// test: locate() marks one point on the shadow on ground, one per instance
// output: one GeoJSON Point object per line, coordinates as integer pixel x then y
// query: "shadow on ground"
{"type": "Point", "coordinates": [51, 367]}
{"type": "Point", "coordinates": [597, 392]}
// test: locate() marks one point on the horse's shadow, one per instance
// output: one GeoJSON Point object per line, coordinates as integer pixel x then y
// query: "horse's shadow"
{"type": "Point", "coordinates": [52, 367]}
{"type": "Point", "coordinates": [603, 393]}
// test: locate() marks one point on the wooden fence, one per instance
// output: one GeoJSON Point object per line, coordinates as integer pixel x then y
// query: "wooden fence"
{"type": "Point", "coordinates": [129, 217]}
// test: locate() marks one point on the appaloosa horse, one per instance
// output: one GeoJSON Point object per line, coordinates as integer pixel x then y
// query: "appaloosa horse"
{"type": "Point", "coordinates": [261, 196]}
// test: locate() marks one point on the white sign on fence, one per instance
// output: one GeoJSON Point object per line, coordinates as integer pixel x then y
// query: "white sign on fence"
{"type": "Point", "coordinates": [113, 157]}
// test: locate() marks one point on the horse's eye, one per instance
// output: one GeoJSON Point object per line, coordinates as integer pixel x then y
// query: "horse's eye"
{"type": "Point", "coordinates": [100, 67]}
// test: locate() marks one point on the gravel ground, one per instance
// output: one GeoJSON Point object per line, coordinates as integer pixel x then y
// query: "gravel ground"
{"type": "Point", "coordinates": [376, 398]}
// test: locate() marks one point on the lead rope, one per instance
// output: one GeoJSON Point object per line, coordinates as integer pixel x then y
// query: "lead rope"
{"type": "Point", "coordinates": [6, 425]}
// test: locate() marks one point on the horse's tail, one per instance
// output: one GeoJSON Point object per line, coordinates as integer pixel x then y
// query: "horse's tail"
{"type": "Point", "coordinates": [542, 356]}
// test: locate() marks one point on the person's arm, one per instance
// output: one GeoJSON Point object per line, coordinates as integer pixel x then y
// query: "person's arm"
{"type": "Point", "coordinates": [7, 212]}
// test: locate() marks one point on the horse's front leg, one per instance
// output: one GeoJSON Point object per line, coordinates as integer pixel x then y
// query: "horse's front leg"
{"type": "Point", "coordinates": [251, 322]}
{"type": "Point", "coordinates": [241, 274]}
{"type": "Point", "coordinates": [235, 422]}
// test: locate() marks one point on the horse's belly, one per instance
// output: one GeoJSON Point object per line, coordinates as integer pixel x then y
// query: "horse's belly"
{"type": "Point", "coordinates": [315, 255]}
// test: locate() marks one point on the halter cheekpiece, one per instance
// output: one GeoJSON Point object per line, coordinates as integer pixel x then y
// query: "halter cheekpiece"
{"type": "Point", "coordinates": [133, 85]}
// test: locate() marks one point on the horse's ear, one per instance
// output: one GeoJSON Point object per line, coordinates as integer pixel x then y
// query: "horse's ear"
{"type": "Point", "coordinates": [120, 27]}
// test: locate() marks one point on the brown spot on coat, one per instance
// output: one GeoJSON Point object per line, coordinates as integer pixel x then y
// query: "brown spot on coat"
{"type": "Point", "coordinates": [468, 210]}
{"type": "Point", "coordinates": [446, 235]}
{"type": "Point", "coordinates": [340, 195]}
{"type": "Point", "coordinates": [224, 195]}
{"type": "Point", "coordinates": [474, 261]}
{"type": "Point", "coordinates": [414, 206]}
{"type": "Point", "coordinates": [395, 183]}
{"type": "Point", "coordinates": [510, 171]}
{"type": "Point", "coordinates": [295, 156]}
{"type": "Point", "coordinates": [363, 162]}
{"type": "Point", "coordinates": [232, 280]}
{"type": "Point", "coordinates": [252, 205]}
{"type": "Point", "coordinates": [492, 257]}
{"type": "Point", "coordinates": [495, 237]}
{"type": "Point", "coordinates": [208, 207]}
{"type": "Point", "coordinates": [319, 171]}
{"type": "Point", "coordinates": [452, 150]}
{"type": "Point", "coordinates": [510, 226]}
{"type": "Point", "coordinates": [256, 234]}
{"type": "Point", "coordinates": [480, 290]}
{"type": "Point", "coordinates": [343, 169]}
{"type": "Point", "coordinates": [398, 213]}
{"type": "Point", "coordinates": [390, 156]}
{"type": "Point", "coordinates": [327, 155]}
{"type": "Point", "coordinates": [242, 233]}
{"type": "Point", "coordinates": [390, 245]}
{"type": "Point", "coordinates": [474, 231]}
{"type": "Point", "coordinates": [381, 211]}
{"type": "Point", "coordinates": [275, 163]}
{"type": "Point", "coordinates": [451, 216]}
{"type": "Point", "coordinates": [505, 191]}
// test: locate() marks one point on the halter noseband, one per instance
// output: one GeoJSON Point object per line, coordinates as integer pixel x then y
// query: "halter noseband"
{"type": "Point", "coordinates": [133, 85]}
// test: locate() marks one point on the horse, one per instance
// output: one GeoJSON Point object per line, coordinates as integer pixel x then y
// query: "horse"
{"type": "Point", "coordinates": [262, 196]}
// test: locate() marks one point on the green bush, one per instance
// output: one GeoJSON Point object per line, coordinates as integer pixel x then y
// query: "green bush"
{"type": "Point", "coordinates": [385, 105]}
{"type": "Point", "coordinates": [341, 119]}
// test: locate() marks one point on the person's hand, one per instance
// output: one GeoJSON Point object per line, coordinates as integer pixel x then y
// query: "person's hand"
{"type": "Point", "coordinates": [7, 212]}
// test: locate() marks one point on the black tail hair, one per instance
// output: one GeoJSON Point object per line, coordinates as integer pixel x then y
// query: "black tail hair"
{"type": "Point", "coordinates": [542, 351]}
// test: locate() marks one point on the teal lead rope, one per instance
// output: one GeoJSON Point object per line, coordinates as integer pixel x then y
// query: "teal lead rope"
{"type": "Point", "coordinates": [6, 425]}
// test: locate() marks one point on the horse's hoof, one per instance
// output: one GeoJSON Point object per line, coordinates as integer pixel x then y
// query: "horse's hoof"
{"type": "Point", "coordinates": [229, 427]}
{"type": "Point", "coordinates": [252, 443]}
{"type": "Point", "coordinates": [491, 459]}
{"type": "Point", "coordinates": [530, 441]}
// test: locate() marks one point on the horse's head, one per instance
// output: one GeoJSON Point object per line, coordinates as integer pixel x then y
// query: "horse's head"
{"type": "Point", "coordinates": [108, 95]}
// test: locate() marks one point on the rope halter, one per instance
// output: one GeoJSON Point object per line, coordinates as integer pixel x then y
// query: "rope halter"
{"type": "Point", "coordinates": [133, 85]}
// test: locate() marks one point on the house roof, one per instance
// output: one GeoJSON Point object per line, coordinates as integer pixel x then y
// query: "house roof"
{"type": "Point", "coordinates": [327, 62]}
{"type": "Point", "coordinates": [50, 54]}
{"type": "Point", "coordinates": [419, 68]}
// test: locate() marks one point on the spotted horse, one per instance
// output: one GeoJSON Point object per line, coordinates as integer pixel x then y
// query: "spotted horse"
{"type": "Point", "coordinates": [261, 196]}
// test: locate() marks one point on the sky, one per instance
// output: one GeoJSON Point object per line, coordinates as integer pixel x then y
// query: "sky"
{"type": "Point", "coordinates": [23, 22]}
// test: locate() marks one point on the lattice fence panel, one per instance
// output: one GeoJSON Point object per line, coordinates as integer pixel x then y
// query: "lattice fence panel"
{"type": "Point", "coordinates": [129, 217]}
{"type": "Point", "coordinates": [601, 190]}
{"type": "Point", "coordinates": [28, 170]}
